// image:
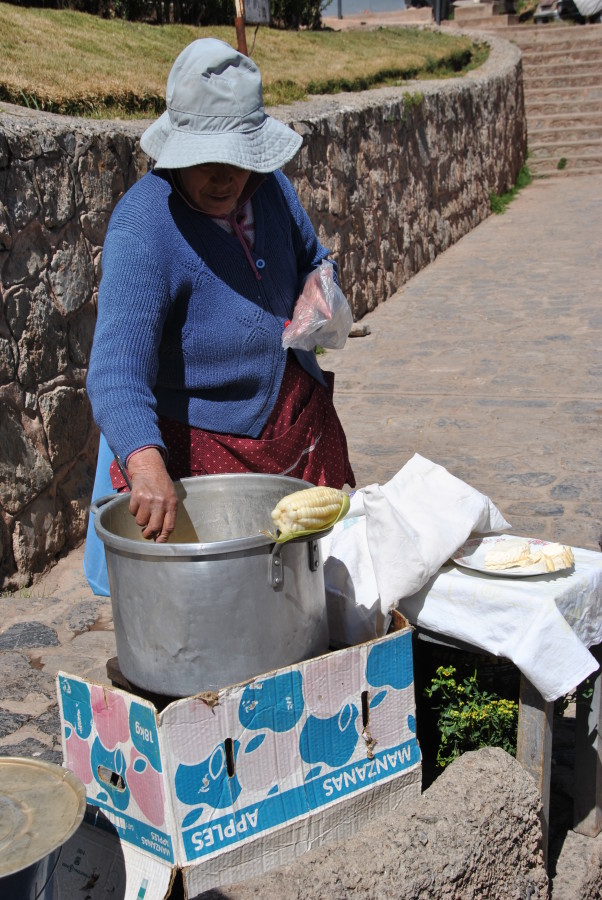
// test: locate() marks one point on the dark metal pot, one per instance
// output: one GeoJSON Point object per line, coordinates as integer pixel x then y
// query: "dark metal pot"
{"type": "Point", "coordinates": [41, 806]}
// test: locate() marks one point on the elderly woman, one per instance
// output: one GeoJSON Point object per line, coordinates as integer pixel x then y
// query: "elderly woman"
{"type": "Point", "coordinates": [203, 262]}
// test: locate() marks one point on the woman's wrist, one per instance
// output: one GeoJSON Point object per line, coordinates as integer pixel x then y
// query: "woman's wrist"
{"type": "Point", "coordinates": [145, 458]}
{"type": "Point", "coordinates": [143, 449]}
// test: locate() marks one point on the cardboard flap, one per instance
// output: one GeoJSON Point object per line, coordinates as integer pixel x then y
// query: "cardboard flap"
{"type": "Point", "coordinates": [112, 742]}
{"type": "Point", "coordinates": [275, 749]}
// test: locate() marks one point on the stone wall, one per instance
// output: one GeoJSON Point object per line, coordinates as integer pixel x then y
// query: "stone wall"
{"type": "Point", "coordinates": [475, 833]}
{"type": "Point", "coordinates": [390, 178]}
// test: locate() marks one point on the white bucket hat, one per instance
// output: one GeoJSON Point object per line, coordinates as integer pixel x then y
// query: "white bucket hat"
{"type": "Point", "coordinates": [215, 114]}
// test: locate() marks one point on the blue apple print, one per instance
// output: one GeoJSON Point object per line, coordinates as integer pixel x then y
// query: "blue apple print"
{"type": "Point", "coordinates": [331, 741]}
{"type": "Point", "coordinates": [274, 703]}
{"type": "Point", "coordinates": [110, 761]}
{"type": "Point", "coordinates": [390, 663]}
{"type": "Point", "coordinates": [143, 729]}
{"type": "Point", "coordinates": [208, 781]}
{"type": "Point", "coordinates": [77, 709]}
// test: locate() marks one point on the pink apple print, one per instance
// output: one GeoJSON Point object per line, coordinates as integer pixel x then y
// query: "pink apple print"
{"type": "Point", "coordinates": [110, 716]}
{"type": "Point", "coordinates": [146, 787]}
{"type": "Point", "coordinates": [77, 757]}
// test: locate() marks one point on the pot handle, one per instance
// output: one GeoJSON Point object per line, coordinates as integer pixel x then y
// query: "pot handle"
{"type": "Point", "coordinates": [276, 566]}
{"type": "Point", "coordinates": [96, 504]}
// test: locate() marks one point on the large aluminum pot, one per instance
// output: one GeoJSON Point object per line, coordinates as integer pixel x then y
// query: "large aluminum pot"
{"type": "Point", "coordinates": [220, 602]}
{"type": "Point", "coordinates": [41, 806]}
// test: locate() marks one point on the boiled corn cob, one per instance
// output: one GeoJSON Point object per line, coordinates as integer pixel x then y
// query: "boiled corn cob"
{"type": "Point", "coordinates": [312, 509]}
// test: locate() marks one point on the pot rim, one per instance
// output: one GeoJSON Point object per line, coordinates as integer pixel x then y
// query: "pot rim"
{"type": "Point", "coordinates": [198, 549]}
{"type": "Point", "coordinates": [66, 775]}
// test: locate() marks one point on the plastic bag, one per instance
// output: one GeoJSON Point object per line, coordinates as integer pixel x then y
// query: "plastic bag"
{"type": "Point", "coordinates": [322, 316]}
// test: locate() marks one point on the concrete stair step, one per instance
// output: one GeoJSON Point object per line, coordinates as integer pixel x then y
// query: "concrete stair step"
{"type": "Point", "coordinates": [415, 16]}
{"type": "Point", "coordinates": [561, 63]}
{"type": "Point", "coordinates": [561, 67]}
{"type": "Point", "coordinates": [554, 31]}
{"type": "Point", "coordinates": [541, 123]}
{"type": "Point", "coordinates": [533, 37]}
{"type": "Point", "coordinates": [565, 79]}
{"type": "Point", "coordinates": [559, 35]}
{"type": "Point", "coordinates": [569, 57]}
{"type": "Point", "coordinates": [493, 23]}
{"type": "Point", "coordinates": [581, 134]}
{"type": "Point", "coordinates": [590, 152]}
{"type": "Point", "coordinates": [565, 94]}
{"type": "Point", "coordinates": [563, 109]}
{"type": "Point", "coordinates": [465, 12]}
{"type": "Point", "coordinates": [551, 171]}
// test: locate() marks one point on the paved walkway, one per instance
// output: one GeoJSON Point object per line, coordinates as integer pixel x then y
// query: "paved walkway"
{"type": "Point", "coordinates": [488, 362]}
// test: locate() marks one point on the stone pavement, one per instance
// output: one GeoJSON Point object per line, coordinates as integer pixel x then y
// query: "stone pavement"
{"type": "Point", "coordinates": [487, 362]}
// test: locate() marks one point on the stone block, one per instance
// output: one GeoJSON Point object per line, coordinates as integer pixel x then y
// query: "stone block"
{"type": "Point", "coordinates": [18, 191]}
{"type": "Point", "coordinates": [100, 175]}
{"type": "Point", "coordinates": [39, 534]}
{"type": "Point", "coordinates": [66, 417]}
{"type": "Point", "coordinates": [74, 492]}
{"type": "Point", "coordinates": [55, 184]}
{"type": "Point", "coordinates": [8, 369]}
{"type": "Point", "coordinates": [40, 333]}
{"type": "Point", "coordinates": [24, 471]}
{"type": "Point", "coordinates": [6, 239]}
{"type": "Point", "coordinates": [28, 256]}
{"type": "Point", "coordinates": [80, 332]}
{"type": "Point", "coordinates": [71, 271]}
{"type": "Point", "coordinates": [474, 833]}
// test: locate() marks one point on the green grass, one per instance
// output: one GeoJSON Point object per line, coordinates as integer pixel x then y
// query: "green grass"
{"type": "Point", "coordinates": [69, 62]}
{"type": "Point", "coordinates": [499, 202]}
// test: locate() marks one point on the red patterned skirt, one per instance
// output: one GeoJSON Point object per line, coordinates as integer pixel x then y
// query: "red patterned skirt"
{"type": "Point", "coordinates": [303, 438]}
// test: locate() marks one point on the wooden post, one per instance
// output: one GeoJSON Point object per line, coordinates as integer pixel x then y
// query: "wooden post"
{"type": "Point", "coordinates": [239, 24]}
{"type": "Point", "coordinates": [534, 746]}
{"type": "Point", "coordinates": [588, 755]}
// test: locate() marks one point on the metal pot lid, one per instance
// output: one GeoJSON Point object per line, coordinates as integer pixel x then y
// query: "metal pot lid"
{"type": "Point", "coordinates": [41, 806]}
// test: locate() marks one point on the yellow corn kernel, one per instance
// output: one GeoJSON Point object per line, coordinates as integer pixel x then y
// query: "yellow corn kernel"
{"type": "Point", "coordinates": [308, 510]}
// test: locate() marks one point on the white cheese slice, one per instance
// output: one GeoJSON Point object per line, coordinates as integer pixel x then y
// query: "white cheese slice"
{"type": "Point", "coordinates": [519, 553]}
{"type": "Point", "coordinates": [507, 554]}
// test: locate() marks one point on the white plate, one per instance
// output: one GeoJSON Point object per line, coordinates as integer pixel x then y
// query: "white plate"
{"type": "Point", "coordinates": [471, 555]}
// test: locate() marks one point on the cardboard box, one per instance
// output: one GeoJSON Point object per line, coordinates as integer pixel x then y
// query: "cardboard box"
{"type": "Point", "coordinates": [231, 784]}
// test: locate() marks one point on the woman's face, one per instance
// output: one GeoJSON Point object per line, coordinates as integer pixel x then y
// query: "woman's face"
{"type": "Point", "coordinates": [214, 188]}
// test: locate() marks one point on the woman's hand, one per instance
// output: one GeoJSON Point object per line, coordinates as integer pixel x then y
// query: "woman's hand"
{"type": "Point", "coordinates": [153, 501]}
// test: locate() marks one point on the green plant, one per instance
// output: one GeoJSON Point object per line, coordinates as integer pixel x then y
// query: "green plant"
{"type": "Point", "coordinates": [469, 717]}
{"type": "Point", "coordinates": [499, 202]}
{"type": "Point", "coordinates": [296, 13]}
{"type": "Point", "coordinates": [561, 163]}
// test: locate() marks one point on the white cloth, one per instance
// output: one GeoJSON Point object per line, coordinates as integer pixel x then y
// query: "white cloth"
{"type": "Point", "coordinates": [543, 624]}
{"type": "Point", "coordinates": [390, 550]}
{"type": "Point", "coordinates": [393, 539]}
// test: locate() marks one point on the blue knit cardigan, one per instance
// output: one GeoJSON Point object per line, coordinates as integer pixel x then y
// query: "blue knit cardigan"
{"type": "Point", "coordinates": [185, 328]}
